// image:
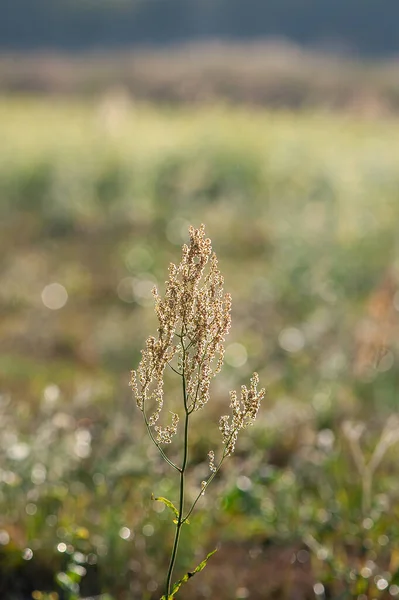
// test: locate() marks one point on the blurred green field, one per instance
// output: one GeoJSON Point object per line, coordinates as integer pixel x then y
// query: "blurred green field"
{"type": "Point", "coordinates": [303, 212]}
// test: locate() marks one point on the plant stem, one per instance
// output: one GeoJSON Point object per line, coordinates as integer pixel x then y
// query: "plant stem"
{"type": "Point", "coordinates": [209, 480]}
{"type": "Point", "coordinates": [180, 520]}
{"type": "Point", "coordinates": [172, 559]}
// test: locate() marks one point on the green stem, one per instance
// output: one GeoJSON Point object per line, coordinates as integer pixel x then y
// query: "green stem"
{"type": "Point", "coordinates": [175, 370]}
{"type": "Point", "coordinates": [209, 480]}
{"type": "Point", "coordinates": [172, 560]}
{"type": "Point", "coordinates": [180, 520]}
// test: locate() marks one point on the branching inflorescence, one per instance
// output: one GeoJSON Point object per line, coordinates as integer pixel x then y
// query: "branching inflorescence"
{"type": "Point", "coordinates": [194, 317]}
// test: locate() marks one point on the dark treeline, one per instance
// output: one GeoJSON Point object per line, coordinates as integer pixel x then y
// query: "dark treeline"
{"type": "Point", "coordinates": [368, 27]}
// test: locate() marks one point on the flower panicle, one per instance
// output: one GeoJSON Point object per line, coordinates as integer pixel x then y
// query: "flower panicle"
{"type": "Point", "coordinates": [243, 413]}
{"type": "Point", "coordinates": [196, 311]}
{"type": "Point", "coordinates": [165, 434]}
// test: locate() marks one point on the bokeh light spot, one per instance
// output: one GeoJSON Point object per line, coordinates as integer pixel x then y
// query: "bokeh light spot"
{"type": "Point", "coordinates": [31, 509]}
{"type": "Point", "coordinates": [236, 355]}
{"type": "Point", "coordinates": [303, 556]}
{"type": "Point", "coordinates": [291, 339]}
{"type": "Point", "coordinates": [18, 451]}
{"type": "Point", "coordinates": [38, 474]}
{"type": "Point", "coordinates": [177, 231]}
{"type": "Point", "coordinates": [27, 554]}
{"type": "Point", "coordinates": [382, 583]}
{"type": "Point", "coordinates": [51, 394]}
{"type": "Point", "coordinates": [54, 296]}
{"type": "Point", "coordinates": [124, 533]}
{"type": "Point", "coordinates": [148, 530]}
{"type": "Point", "coordinates": [318, 589]}
{"type": "Point", "coordinates": [244, 483]}
{"type": "Point", "coordinates": [4, 537]}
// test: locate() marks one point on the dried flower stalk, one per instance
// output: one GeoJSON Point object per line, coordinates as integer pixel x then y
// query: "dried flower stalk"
{"type": "Point", "coordinates": [194, 317]}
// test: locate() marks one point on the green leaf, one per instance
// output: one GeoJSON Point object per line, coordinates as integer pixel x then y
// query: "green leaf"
{"type": "Point", "coordinates": [168, 503]}
{"type": "Point", "coordinates": [188, 576]}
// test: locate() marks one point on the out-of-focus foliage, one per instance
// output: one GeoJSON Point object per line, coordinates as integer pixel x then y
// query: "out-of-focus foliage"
{"type": "Point", "coordinates": [272, 74]}
{"type": "Point", "coordinates": [303, 213]}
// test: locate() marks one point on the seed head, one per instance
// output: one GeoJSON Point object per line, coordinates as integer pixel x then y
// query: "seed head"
{"type": "Point", "coordinates": [211, 457]}
{"type": "Point", "coordinates": [193, 321]}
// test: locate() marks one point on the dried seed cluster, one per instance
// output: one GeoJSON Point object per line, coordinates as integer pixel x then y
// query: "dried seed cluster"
{"type": "Point", "coordinates": [193, 321]}
{"type": "Point", "coordinates": [244, 413]}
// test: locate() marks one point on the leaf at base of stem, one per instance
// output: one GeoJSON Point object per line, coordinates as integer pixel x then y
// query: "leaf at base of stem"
{"type": "Point", "coordinates": [188, 576]}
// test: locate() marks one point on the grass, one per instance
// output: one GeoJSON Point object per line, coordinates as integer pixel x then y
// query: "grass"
{"type": "Point", "coordinates": [303, 211]}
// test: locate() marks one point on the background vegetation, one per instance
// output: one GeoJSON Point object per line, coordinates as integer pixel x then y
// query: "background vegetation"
{"type": "Point", "coordinates": [272, 74]}
{"type": "Point", "coordinates": [303, 211]}
{"type": "Point", "coordinates": [368, 27]}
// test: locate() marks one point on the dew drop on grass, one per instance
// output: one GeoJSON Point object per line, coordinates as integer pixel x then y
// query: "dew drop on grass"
{"type": "Point", "coordinates": [124, 533]}
{"type": "Point", "coordinates": [382, 583]}
{"type": "Point", "coordinates": [27, 554]}
{"type": "Point", "coordinates": [318, 589]}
